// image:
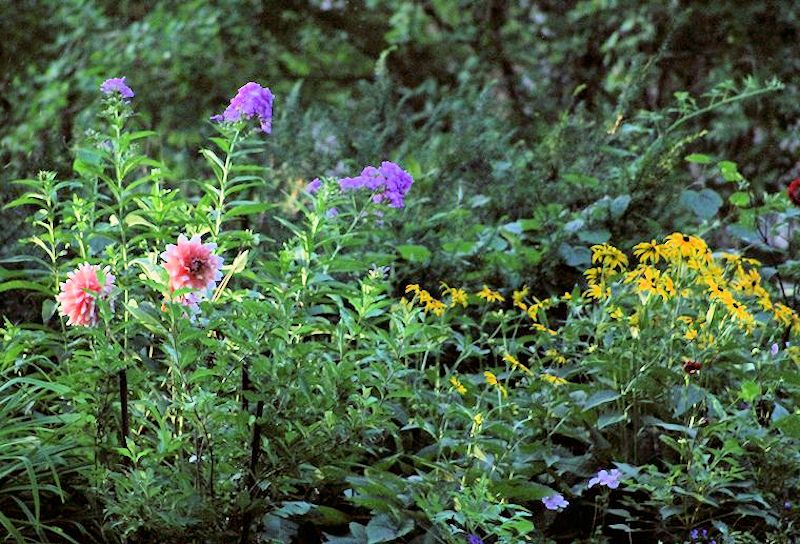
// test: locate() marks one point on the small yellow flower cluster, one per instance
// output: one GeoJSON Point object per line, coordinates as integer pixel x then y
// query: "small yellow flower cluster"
{"type": "Point", "coordinates": [429, 303]}
{"type": "Point", "coordinates": [457, 385]}
{"type": "Point", "coordinates": [490, 296]}
{"type": "Point", "coordinates": [491, 379]}
{"type": "Point", "coordinates": [684, 267]}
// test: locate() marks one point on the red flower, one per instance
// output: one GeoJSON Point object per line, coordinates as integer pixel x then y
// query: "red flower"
{"type": "Point", "coordinates": [192, 264]}
{"type": "Point", "coordinates": [692, 367]}
{"type": "Point", "coordinates": [78, 296]}
{"type": "Point", "coordinates": [794, 192]}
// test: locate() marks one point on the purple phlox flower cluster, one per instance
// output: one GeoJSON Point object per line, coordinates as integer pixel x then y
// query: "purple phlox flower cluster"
{"type": "Point", "coordinates": [252, 100]}
{"type": "Point", "coordinates": [389, 182]}
{"type": "Point", "coordinates": [116, 85]}
{"type": "Point", "coordinates": [474, 539]}
{"type": "Point", "coordinates": [555, 502]}
{"type": "Point", "coordinates": [787, 505]}
{"type": "Point", "coordinates": [313, 186]}
{"type": "Point", "coordinates": [700, 534]}
{"type": "Point", "coordinates": [608, 478]}
{"type": "Point", "coordinates": [774, 349]}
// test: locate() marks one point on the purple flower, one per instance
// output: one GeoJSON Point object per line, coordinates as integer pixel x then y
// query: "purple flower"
{"type": "Point", "coordinates": [774, 349]}
{"type": "Point", "coordinates": [608, 478]}
{"type": "Point", "coordinates": [333, 212]}
{"type": "Point", "coordinates": [474, 539]}
{"type": "Point", "coordinates": [555, 502]}
{"type": "Point", "coordinates": [313, 186]}
{"type": "Point", "coordinates": [252, 100]}
{"type": "Point", "coordinates": [694, 534]}
{"type": "Point", "coordinates": [787, 505]}
{"type": "Point", "coordinates": [389, 183]}
{"type": "Point", "coordinates": [116, 85]}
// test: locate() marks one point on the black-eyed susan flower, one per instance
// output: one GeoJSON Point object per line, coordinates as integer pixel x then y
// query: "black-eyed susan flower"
{"type": "Point", "coordinates": [683, 245]}
{"type": "Point", "coordinates": [648, 252]}
{"type": "Point", "coordinates": [609, 256]}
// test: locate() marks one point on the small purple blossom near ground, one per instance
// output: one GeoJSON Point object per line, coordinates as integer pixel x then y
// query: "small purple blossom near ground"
{"type": "Point", "coordinates": [555, 502]}
{"type": "Point", "coordinates": [252, 100]}
{"type": "Point", "coordinates": [474, 539]}
{"type": "Point", "coordinates": [774, 349]}
{"type": "Point", "coordinates": [116, 85]}
{"type": "Point", "coordinates": [313, 186]}
{"type": "Point", "coordinates": [608, 478]}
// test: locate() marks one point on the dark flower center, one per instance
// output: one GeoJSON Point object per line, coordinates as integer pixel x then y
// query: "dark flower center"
{"type": "Point", "coordinates": [685, 238]}
{"type": "Point", "coordinates": [196, 266]}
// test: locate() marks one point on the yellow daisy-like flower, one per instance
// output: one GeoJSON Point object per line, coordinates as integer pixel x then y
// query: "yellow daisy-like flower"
{"type": "Point", "coordinates": [747, 281]}
{"type": "Point", "coordinates": [648, 280]}
{"type": "Point", "coordinates": [424, 297]}
{"type": "Point", "coordinates": [490, 296]}
{"type": "Point", "coordinates": [491, 379]}
{"type": "Point", "coordinates": [555, 380]}
{"type": "Point", "coordinates": [458, 296]}
{"type": "Point", "coordinates": [566, 297]}
{"type": "Point", "coordinates": [690, 334]}
{"type": "Point", "coordinates": [458, 386]}
{"type": "Point", "coordinates": [412, 288]}
{"type": "Point", "coordinates": [609, 256]}
{"type": "Point", "coordinates": [519, 298]}
{"type": "Point", "coordinates": [683, 245]}
{"type": "Point", "coordinates": [617, 313]}
{"type": "Point", "coordinates": [688, 320]}
{"type": "Point", "coordinates": [514, 362]}
{"type": "Point", "coordinates": [541, 328]}
{"type": "Point", "coordinates": [435, 306]}
{"type": "Point", "coordinates": [648, 252]}
{"type": "Point", "coordinates": [477, 419]}
{"type": "Point", "coordinates": [555, 356]}
{"type": "Point", "coordinates": [596, 292]}
{"type": "Point", "coordinates": [783, 314]}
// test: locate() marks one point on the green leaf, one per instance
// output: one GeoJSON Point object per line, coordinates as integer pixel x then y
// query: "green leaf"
{"type": "Point", "coordinates": [414, 253]}
{"type": "Point", "coordinates": [599, 398]}
{"type": "Point", "coordinates": [247, 209]}
{"type": "Point", "coordinates": [790, 425]}
{"type": "Point", "coordinates": [612, 418]}
{"type": "Point", "coordinates": [48, 309]}
{"type": "Point", "coordinates": [740, 199]}
{"type": "Point", "coordinates": [521, 491]}
{"type": "Point", "coordinates": [749, 391]}
{"type": "Point", "coordinates": [729, 171]}
{"type": "Point", "coordinates": [698, 158]}
{"type": "Point", "coordinates": [383, 528]}
{"type": "Point", "coordinates": [619, 205]}
{"type": "Point", "coordinates": [704, 204]}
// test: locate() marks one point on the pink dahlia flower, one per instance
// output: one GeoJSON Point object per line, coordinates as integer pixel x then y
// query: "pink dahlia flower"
{"type": "Point", "coordinates": [192, 264]}
{"type": "Point", "coordinates": [79, 294]}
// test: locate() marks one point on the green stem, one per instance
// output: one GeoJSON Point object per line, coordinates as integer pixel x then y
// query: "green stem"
{"type": "Point", "coordinates": [223, 181]}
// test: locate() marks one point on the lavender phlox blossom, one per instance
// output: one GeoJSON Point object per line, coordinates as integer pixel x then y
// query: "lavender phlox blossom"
{"type": "Point", "coordinates": [474, 539]}
{"type": "Point", "coordinates": [608, 478]}
{"type": "Point", "coordinates": [774, 349]}
{"type": "Point", "coordinates": [389, 183]}
{"type": "Point", "coordinates": [313, 186]}
{"type": "Point", "coordinates": [252, 100]}
{"type": "Point", "coordinates": [555, 502]}
{"type": "Point", "coordinates": [116, 85]}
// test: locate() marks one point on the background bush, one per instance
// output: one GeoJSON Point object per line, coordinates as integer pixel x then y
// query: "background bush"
{"type": "Point", "coordinates": [534, 131]}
